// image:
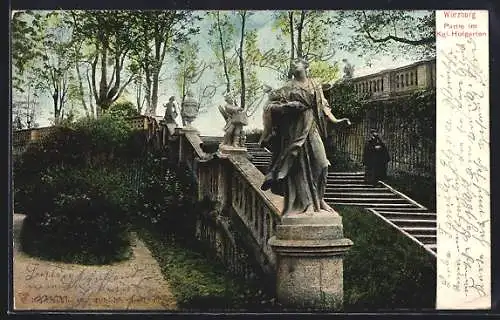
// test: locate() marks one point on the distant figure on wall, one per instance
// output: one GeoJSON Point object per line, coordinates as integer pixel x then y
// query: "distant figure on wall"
{"type": "Point", "coordinates": [375, 158]}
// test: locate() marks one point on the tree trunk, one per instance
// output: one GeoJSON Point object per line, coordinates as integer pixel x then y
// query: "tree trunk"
{"type": "Point", "coordinates": [223, 50]}
{"type": "Point", "coordinates": [80, 89]}
{"type": "Point", "coordinates": [91, 104]}
{"type": "Point", "coordinates": [154, 93]}
{"type": "Point", "coordinates": [103, 86]}
{"type": "Point", "coordinates": [148, 91]}
{"type": "Point", "coordinates": [242, 67]}
{"type": "Point", "coordinates": [300, 53]}
{"type": "Point", "coordinates": [292, 43]}
{"type": "Point", "coordinates": [55, 98]}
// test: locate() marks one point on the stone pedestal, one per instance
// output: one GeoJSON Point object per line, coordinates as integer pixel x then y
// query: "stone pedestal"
{"type": "Point", "coordinates": [225, 149]}
{"type": "Point", "coordinates": [188, 129]}
{"type": "Point", "coordinates": [309, 250]}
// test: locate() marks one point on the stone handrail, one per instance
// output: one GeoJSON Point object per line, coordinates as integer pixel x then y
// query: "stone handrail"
{"type": "Point", "coordinates": [233, 182]}
{"type": "Point", "coordinates": [24, 136]}
{"type": "Point", "coordinates": [399, 81]}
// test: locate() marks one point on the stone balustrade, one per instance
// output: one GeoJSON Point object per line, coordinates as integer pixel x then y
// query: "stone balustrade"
{"type": "Point", "coordinates": [394, 82]}
{"type": "Point", "coordinates": [233, 183]}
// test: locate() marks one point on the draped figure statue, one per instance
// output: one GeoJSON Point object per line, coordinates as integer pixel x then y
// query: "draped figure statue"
{"type": "Point", "coordinates": [295, 121]}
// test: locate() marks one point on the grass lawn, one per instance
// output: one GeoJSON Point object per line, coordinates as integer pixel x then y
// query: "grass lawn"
{"type": "Point", "coordinates": [384, 269]}
{"type": "Point", "coordinates": [201, 284]}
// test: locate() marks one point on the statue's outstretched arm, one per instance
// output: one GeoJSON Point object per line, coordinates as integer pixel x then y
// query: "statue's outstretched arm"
{"type": "Point", "coordinates": [332, 118]}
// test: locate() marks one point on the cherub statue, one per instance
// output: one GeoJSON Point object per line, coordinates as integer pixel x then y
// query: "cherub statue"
{"type": "Point", "coordinates": [236, 118]}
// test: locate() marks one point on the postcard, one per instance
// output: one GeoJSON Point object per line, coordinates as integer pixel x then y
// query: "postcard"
{"type": "Point", "coordinates": [250, 161]}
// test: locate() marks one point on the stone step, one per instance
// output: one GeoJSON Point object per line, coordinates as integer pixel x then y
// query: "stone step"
{"type": "Point", "coordinates": [420, 230]}
{"type": "Point", "coordinates": [414, 222]}
{"type": "Point", "coordinates": [408, 215]}
{"type": "Point", "coordinates": [407, 209]}
{"type": "Point", "coordinates": [392, 205]}
{"type": "Point", "coordinates": [342, 181]}
{"type": "Point", "coordinates": [334, 173]}
{"type": "Point", "coordinates": [261, 154]}
{"type": "Point", "coordinates": [367, 200]}
{"type": "Point", "coordinates": [351, 185]}
{"type": "Point", "coordinates": [426, 239]}
{"type": "Point", "coordinates": [258, 150]}
{"type": "Point", "coordinates": [373, 205]}
{"type": "Point", "coordinates": [355, 193]}
{"type": "Point", "coordinates": [350, 190]}
{"type": "Point", "coordinates": [432, 247]}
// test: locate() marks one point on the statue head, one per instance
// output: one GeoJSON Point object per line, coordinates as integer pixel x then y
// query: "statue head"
{"type": "Point", "coordinates": [228, 97]}
{"type": "Point", "coordinates": [172, 98]}
{"type": "Point", "coordinates": [300, 67]}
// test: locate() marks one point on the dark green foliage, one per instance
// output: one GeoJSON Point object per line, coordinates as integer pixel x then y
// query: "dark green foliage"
{"type": "Point", "coordinates": [166, 198]}
{"type": "Point", "coordinates": [77, 190]}
{"type": "Point", "coordinates": [384, 269]}
{"type": "Point", "coordinates": [253, 135]}
{"type": "Point", "coordinates": [123, 109]}
{"type": "Point", "coordinates": [345, 101]}
{"type": "Point", "coordinates": [420, 188]}
{"type": "Point", "coordinates": [78, 216]}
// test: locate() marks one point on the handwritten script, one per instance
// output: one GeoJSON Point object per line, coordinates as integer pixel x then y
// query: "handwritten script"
{"type": "Point", "coordinates": [462, 173]}
{"type": "Point", "coordinates": [61, 286]}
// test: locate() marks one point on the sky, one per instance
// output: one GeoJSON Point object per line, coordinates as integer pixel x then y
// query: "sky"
{"type": "Point", "coordinates": [211, 122]}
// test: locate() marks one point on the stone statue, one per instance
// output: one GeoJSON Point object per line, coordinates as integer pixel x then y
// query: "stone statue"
{"type": "Point", "coordinates": [236, 118]}
{"type": "Point", "coordinates": [18, 123]}
{"type": "Point", "coordinates": [348, 70]}
{"type": "Point", "coordinates": [298, 114]}
{"type": "Point", "coordinates": [171, 111]}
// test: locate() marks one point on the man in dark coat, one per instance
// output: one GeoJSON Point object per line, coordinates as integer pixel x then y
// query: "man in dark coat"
{"type": "Point", "coordinates": [375, 159]}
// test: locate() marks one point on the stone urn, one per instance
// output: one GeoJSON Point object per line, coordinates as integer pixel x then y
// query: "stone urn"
{"type": "Point", "coordinates": [190, 108]}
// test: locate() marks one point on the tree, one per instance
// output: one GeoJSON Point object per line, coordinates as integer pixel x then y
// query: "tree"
{"type": "Point", "coordinates": [108, 33]}
{"type": "Point", "coordinates": [190, 69]}
{"type": "Point", "coordinates": [156, 33]}
{"type": "Point", "coordinates": [223, 35]}
{"type": "Point", "coordinates": [308, 35]}
{"type": "Point", "coordinates": [390, 32]}
{"type": "Point", "coordinates": [235, 49]}
{"type": "Point", "coordinates": [57, 61]}
{"type": "Point", "coordinates": [25, 46]}
{"type": "Point", "coordinates": [249, 85]}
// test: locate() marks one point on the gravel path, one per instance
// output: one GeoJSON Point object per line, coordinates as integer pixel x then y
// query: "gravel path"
{"type": "Point", "coordinates": [136, 284]}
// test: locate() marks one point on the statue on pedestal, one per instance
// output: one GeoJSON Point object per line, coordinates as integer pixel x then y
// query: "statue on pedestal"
{"type": "Point", "coordinates": [236, 118]}
{"type": "Point", "coordinates": [298, 114]}
{"type": "Point", "coordinates": [171, 111]}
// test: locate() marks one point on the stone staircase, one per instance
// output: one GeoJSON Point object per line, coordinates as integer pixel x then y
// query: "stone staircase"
{"type": "Point", "coordinates": [349, 189]}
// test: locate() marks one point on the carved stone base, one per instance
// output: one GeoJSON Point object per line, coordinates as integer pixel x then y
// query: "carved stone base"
{"type": "Point", "coordinates": [189, 128]}
{"type": "Point", "coordinates": [225, 149]}
{"type": "Point", "coordinates": [309, 249]}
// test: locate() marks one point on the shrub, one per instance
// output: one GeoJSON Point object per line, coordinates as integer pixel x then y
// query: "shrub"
{"type": "Point", "coordinates": [79, 216]}
{"type": "Point", "coordinates": [76, 187]}
{"type": "Point", "coordinates": [166, 198]}
{"type": "Point", "coordinates": [123, 109]}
